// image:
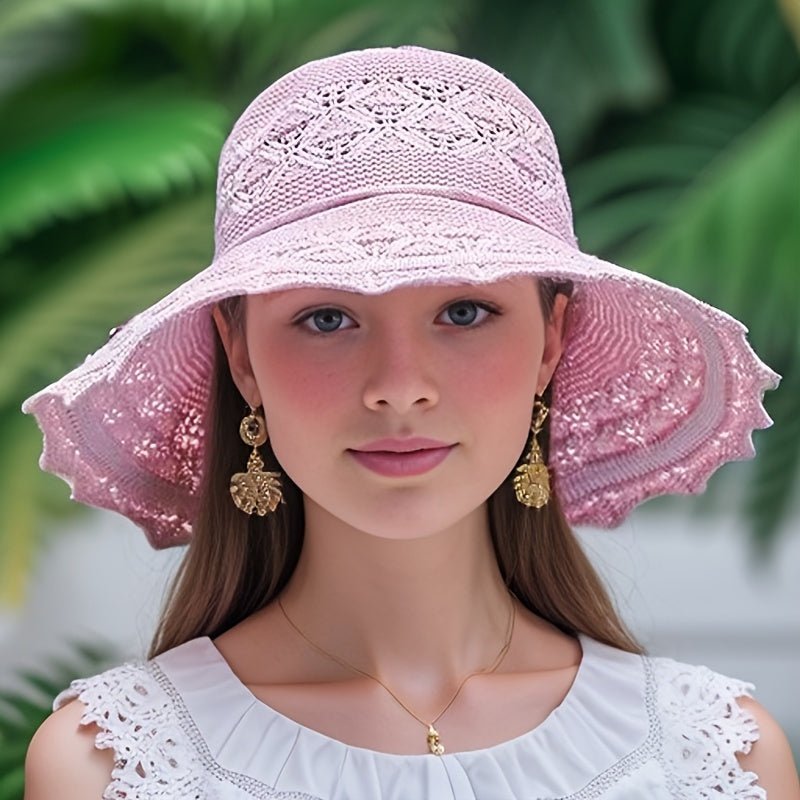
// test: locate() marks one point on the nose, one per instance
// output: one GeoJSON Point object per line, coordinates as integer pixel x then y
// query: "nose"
{"type": "Point", "coordinates": [400, 373]}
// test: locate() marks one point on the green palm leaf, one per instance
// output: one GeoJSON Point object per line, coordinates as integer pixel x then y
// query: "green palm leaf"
{"type": "Point", "coordinates": [734, 235]}
{"type": "Point", "coordinates": [104, 150]}
{"type": "Point", "coordinates": [576, 60]}
{"type": "Point", "coordinates": [304, 30]}
{"type": "Point", "coordinates": [652, 162]}
{"type": "Point", "coordinates": [98, 289]}
{"type": "Point", "coordinates": [214, 16]}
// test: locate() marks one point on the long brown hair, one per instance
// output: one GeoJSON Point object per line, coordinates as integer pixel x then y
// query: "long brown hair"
{"type": "Point", "coordinates": [237, 564]}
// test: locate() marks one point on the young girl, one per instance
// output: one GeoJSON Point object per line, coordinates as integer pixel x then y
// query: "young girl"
{"type": "Point", "coordinates": [382, 597]}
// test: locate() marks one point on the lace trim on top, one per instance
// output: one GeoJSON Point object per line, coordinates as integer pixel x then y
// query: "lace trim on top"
{"type": "Point", "coordinates": [152, 758]}
{"type": "Point", "coordinates": [159, 753]}
{"type": "Point", "coordinates": [694, 728]}
{"type": "Point", "coordinates": [704, 729]}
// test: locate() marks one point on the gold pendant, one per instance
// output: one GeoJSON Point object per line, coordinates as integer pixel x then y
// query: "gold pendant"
{"type": "Point", "coordinates": [256, 491]}
{"type": "Point", "coordinates": [434, 743]}
{"type": "Point", "coordinates": [532, 485]}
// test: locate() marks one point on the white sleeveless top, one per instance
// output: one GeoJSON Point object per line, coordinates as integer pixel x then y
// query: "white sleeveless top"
{"type": "Point", "coordinates": [630, 728]}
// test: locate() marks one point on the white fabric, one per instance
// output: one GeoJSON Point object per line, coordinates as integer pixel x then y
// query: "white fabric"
{"type": "Point", "coordinates": [183, 726]}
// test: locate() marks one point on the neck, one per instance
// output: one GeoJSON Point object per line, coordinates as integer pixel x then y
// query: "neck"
{"type": "Point", "coordinates": [427, 610]}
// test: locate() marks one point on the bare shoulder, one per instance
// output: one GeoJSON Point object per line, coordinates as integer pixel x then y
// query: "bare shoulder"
{"type": "Point", "coordinates": [63, 761]}
{"type": "Point", "coordinates": [770, 758]}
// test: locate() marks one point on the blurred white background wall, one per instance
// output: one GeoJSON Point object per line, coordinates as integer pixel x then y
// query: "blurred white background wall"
{"type": "Point", "coordinates": [687, 584]}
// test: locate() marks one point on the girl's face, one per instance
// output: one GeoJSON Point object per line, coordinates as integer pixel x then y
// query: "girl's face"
{"type": "Point", "coordinates": [397, 414]}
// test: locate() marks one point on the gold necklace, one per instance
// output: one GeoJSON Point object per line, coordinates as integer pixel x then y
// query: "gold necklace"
{"type": "Point", "coordinates": [434, 740]}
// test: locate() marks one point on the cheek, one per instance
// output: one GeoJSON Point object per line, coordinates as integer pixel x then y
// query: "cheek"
{"type": "Point", "coordinates": [504, 375]}
{"type": "Point", "coordinates": [298, 388]}
{"type": "Point", "coordinates": [303, 406]}
{"type": "Point", "coordinates": [502, 397]}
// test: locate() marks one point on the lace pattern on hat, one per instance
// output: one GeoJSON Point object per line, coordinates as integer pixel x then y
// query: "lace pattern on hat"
{"type": "Point", "coordinates": [429, 123]}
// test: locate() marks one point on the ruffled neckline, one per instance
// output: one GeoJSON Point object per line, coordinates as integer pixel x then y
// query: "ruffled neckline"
{"type": "Point", "coordinates": [603, 720]}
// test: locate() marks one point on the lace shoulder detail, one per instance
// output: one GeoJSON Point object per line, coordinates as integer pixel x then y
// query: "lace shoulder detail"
{"type": "Point", "coordinates": [153, 758]}
{"type": "Point", "coordinates": [703, 730]}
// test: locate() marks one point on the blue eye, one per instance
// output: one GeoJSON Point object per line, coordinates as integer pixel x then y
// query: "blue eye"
{"type": "Point", "coordinates": [465, 313]}
{"type": "Point", "coordinates": [327, 320]}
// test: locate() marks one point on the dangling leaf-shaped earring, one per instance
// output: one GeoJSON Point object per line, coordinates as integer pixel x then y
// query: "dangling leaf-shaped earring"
{"type": "Point", "coordinates": [532, 481]}
{"type": "Point", "coordinates": [255, 491]}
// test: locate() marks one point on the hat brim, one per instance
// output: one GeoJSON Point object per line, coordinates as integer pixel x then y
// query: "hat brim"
{"type": "Point", "coordinates": [655, 389]}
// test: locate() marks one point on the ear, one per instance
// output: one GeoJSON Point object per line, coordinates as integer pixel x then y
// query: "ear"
{"type": "Point", "coordinates": [553, 342]}
{"type": "Point", "coordinates": [235, 344]}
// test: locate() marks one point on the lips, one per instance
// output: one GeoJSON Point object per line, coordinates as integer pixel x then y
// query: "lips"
{"type": "Point", "coordinates": [396, 458]}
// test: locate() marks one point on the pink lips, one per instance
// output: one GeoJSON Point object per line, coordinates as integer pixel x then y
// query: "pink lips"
{"type": "Point", "coordinates": [400, 457]}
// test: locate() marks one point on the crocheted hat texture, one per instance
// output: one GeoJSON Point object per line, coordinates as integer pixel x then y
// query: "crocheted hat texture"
{"type": "Point", "coordinates": [394, 167]}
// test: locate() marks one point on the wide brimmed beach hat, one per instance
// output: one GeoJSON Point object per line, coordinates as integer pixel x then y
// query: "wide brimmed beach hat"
{"type": "Point", "coordinates": [385, 168]}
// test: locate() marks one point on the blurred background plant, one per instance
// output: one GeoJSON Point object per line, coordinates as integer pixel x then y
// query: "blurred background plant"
{"type": "Point", "coordinates": [678, 122]}
{"type": "Point", "coordinates": [21, 713]}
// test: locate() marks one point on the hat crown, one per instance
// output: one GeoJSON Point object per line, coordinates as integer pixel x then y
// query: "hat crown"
{"type": "Point", "coordinates": [388, 120]}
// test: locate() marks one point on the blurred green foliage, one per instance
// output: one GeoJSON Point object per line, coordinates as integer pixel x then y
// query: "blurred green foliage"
{"type": "Point", "coordinates": [678, 123]}
{"type": "Point", "coordinates": [23, 711]}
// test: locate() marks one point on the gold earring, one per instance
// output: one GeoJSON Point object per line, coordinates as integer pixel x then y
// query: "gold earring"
{"type": "Point", "coordinates": [255, 491]}
{"type": "Point", "coordinates": [532, 481]}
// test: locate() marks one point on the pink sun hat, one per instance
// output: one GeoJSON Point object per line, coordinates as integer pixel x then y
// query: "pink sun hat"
{"type": "Point", "coordinates": [384, 168]}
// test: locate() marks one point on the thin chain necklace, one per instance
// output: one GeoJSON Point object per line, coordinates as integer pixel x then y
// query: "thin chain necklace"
{"type": "Point", "coordinates": [434, 740]}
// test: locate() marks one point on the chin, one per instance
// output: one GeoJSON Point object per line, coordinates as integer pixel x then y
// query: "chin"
{"type": "Point", "coordinates": [402, 514]}
{"type": "Point", "coordinates": [412, 522]}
